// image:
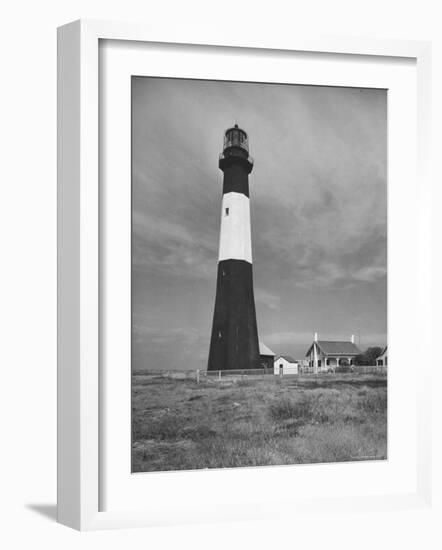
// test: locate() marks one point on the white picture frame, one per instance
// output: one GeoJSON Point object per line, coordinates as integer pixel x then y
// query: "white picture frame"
{"type": "Point", "coordinates": [80, 265]}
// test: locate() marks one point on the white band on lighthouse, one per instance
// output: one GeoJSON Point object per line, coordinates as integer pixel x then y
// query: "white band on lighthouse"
{"type": "Point", "coordinates": [235, 242]}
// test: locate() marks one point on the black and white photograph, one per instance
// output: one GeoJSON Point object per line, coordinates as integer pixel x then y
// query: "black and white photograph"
{"type": "Point", "coordinates": [259, 274]}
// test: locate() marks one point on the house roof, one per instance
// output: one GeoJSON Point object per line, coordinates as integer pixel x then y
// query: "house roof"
{"type": "Point", "coordinates": [264, 350]}
{"type": "Point", "coordinates": [288, 358]}
{"type": "Point", "coordinates": [384, 351]}
{"type": "Point", "coordinates": [328, 347]}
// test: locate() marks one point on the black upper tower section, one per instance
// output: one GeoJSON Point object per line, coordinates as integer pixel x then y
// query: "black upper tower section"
{"type": "Point", "coordinates": [235, 161]}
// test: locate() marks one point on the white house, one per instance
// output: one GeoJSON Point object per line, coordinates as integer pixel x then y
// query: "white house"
{"type": "Point", "coordinates": [324, 355]}
{"type": "Point", "coordinates": [284, 364]}
{"type": "Point", "coordinates": [382, 360]}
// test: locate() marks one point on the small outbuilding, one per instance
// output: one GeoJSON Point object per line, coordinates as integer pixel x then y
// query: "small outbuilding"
{"type": "Point", "coordinates": [382, 360]}
{"type": "Point", "coordinates": [266, 356]}
{"type": "Point", "coordinates": [285, 364]}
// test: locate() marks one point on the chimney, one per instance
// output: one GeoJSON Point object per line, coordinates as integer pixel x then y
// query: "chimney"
{"type": "Point", "coordinates": [316, 336]}
{"type": "Point", "coordinates": [352, 338]}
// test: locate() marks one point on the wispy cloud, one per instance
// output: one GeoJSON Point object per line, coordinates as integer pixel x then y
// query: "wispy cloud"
{"type": "Point", "coordinates": [163, 246]}
{"type": "Point", "coordinates": [165, 336]}
{"type": "Point", "coordinates": [270, 300]}
{"type": "Point", "coordinates": [284, 338]}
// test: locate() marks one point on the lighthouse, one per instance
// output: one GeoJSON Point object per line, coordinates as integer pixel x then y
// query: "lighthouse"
{"type": "Point", "coordinates": [234, 341]}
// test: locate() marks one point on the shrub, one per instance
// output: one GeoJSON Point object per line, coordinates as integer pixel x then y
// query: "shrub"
{"type": "Point", "coordinates": [373, 403]}
{"type": "Point", "coordinates": [301, 409]}
{"type": "Point", "coordinates": [169, 426]}
{"type": "Point", "coordinates": [243, 383]}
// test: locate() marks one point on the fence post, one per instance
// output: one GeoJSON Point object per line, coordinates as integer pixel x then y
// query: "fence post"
{"type": "Point", "coordinates": [198, 376]}
{"type": "Point", "coordinates": [219, 375]}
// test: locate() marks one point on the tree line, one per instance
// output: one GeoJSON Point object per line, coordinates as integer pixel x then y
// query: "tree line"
{"type": "Point", "coordinates": [368, 358]}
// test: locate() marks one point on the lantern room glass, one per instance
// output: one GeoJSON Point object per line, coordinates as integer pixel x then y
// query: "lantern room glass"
{"type": "Point", "coordinates": [235, 137]}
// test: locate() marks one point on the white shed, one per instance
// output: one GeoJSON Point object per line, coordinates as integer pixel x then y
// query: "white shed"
{"type": "Point", "coordinates": [382, 360]}
{"type": "Point", "coordinates": [284, 364]}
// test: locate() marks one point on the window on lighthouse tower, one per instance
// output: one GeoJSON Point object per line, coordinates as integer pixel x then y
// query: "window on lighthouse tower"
{"type": "Point", "coordinates": [227, 211]}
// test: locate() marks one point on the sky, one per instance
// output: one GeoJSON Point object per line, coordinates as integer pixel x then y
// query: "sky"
{"type": "Point", "coordinates": [318, 198]}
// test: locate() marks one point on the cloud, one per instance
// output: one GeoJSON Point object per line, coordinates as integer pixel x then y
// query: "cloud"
{"type": "Point", "coordinates": [329, 240]}
{"type": "Point", "coordinates": [166, 247]}
{"type": "Point", "coordinates": [371, 273]}
{"type": "Point", "coordinates": [282, 338]}
{"type": "Point", "coordinates": [173, 348]}
{"type": "Point", "coordinates": [164, 336]}
{"type": "Point", "coordinates": [269, 300]}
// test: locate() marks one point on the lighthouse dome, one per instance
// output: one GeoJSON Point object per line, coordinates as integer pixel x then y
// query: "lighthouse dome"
{"type": "Point", "coordinates": [236, 149]}
{"type": "Point", "coordinates": [236, 137]}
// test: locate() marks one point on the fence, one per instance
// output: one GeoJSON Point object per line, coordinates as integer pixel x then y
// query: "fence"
{"type": "Point", "coordinates": [352, 369]}
{"type": "Point", "coordinates": [375, 369]}
{"type": "Point", "coordinates": [239, 372]}
{"type": "Point", "coordinates": [199, 375]}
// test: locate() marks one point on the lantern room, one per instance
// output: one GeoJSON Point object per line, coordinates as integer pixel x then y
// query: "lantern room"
{"type": "Point", "coordinates": [236, 149]}
{"type": "Point", "coordinates": [235, 137]}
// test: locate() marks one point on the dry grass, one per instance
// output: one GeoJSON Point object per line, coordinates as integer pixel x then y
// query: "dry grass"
{"type": "Point", "coordinates": [181, 425]}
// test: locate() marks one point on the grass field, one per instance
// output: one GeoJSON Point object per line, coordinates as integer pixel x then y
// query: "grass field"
{"type": "Point", "coordinates": [178, 424]}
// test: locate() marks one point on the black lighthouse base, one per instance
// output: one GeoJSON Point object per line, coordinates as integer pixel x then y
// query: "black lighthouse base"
{"type": "Point", "coordinates": [234, 342]}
